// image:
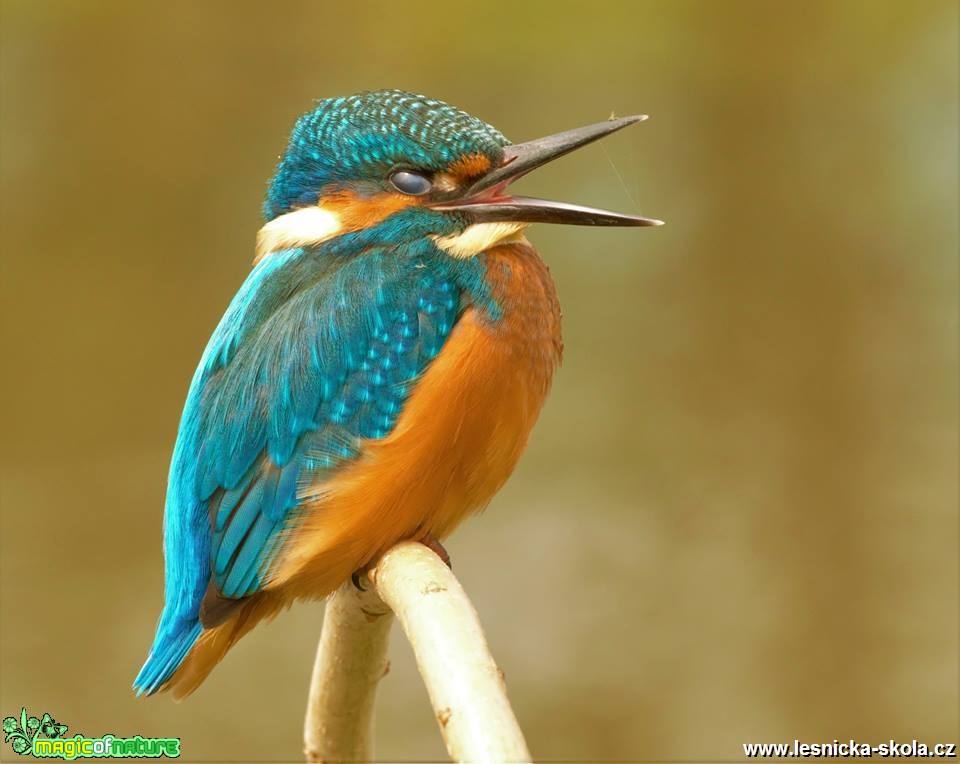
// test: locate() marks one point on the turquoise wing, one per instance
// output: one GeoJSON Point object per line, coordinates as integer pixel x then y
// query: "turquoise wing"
{"type": "Point", "coordinates": [314, 356]}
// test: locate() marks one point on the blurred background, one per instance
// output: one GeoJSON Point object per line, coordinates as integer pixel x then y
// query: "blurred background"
{"type": "Point", "coordinates": [737, 520]}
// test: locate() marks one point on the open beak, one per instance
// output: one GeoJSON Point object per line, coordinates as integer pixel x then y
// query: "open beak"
{"type": "Point", "coordinates": [487, 200]}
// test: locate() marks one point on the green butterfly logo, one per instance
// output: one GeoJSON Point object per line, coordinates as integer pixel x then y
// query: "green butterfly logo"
{"type": "Point", "coordinates": [21, 733]}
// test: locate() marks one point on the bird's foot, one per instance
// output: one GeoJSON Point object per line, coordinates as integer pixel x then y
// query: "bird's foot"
{"type": "Point", "coordinates": [358, 577]}
{"type": "Point", "coordinates": [429, 541]}
{"type": "Point", "coordinates": [433, 544]}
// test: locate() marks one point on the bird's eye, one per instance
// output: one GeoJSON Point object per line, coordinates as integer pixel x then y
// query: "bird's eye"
{"type": "Point", "coordinates": [412, 183]}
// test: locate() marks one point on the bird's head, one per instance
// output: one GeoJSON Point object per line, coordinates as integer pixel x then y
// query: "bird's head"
{"type": "Point", "coordinates": [403, 167]}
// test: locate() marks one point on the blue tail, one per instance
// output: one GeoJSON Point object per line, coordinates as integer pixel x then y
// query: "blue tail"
{"type": "Point", "coordinates": [170, 647]}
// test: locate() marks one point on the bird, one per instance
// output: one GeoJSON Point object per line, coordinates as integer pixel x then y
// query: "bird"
{"type": "Point", "coordinates": [376, 376]}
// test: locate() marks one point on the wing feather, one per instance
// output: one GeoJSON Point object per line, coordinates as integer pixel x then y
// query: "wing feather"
{"type": "Point", "coordinates": [315, 355]}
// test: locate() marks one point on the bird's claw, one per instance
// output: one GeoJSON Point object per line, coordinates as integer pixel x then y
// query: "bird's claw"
{"type": "Point", "coordinates": [429, 541]}
{"type": "Point", "coordinates": [433, 544]}
{"type": "Point", "coordinates": [356, 577]}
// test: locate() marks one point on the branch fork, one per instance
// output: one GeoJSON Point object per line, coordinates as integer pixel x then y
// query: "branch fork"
{"type": "Point", "coordinates": [466, 688]}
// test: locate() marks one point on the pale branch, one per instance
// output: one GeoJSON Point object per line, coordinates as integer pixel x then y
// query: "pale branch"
{"type": "Point", "coordinates": [351, 660]}
{"type": "Point", "coordinates": [465, 686]}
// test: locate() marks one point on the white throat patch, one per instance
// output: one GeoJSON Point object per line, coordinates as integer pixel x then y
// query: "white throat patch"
{"type": "Point", "coordinates": [310, 226]}
{"type": "Point", "coordinates": [304, 227]}
{"type": "Point", "coordinates": [478, 238]}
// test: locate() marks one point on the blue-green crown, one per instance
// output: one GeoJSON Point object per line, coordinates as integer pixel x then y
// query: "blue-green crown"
{"type": "Point", "coordinates": [364, 136]}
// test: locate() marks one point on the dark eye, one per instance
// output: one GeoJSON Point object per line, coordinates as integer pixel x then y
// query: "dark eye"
{"type": "Point", "coordinates": [412, 183]}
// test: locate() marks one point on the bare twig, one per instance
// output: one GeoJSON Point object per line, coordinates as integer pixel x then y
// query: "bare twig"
{"type": "Point", "coordinates": [466, 688]}
{"type": "Point", "coordinates": [351, 660]}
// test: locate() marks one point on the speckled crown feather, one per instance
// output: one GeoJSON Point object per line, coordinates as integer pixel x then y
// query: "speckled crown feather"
{"type": "Point", "coordinates": [363, 136]}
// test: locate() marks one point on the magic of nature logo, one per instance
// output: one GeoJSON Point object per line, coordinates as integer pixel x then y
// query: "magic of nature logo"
{"type": "Point", "coordinates": [45, 738]}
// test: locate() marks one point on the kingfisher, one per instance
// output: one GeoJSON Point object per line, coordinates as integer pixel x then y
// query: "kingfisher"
{"type": "Point", "coordinates": [377, 374]}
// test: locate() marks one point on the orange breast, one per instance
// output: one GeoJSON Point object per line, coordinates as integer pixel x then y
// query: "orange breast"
{"type": "Point", "coordinates": [455, 443]}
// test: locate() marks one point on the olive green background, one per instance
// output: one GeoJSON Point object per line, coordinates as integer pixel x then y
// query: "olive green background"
{"type": "Point", "coordinates": [737, 518]}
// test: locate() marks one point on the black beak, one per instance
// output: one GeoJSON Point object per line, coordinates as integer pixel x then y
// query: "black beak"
{"type": "Point", "coordinates": [488, 201]}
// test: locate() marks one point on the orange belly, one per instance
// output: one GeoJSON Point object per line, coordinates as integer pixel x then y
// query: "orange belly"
{"type": "Point", "coordinates": [456, 442]}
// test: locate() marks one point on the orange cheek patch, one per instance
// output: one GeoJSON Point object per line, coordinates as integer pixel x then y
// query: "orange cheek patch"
{"type": "Point", "coordinates": [470, 166]}
{"type": "Point", "coordinates": [358, 212]}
